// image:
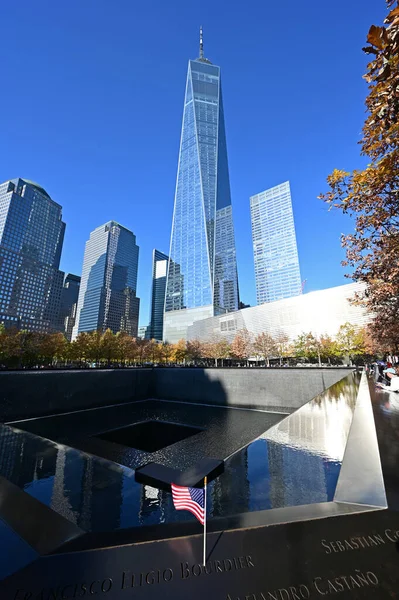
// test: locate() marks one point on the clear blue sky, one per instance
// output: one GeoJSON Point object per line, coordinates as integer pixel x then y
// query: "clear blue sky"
{"type": "Point", "coordinates": [91, 105]}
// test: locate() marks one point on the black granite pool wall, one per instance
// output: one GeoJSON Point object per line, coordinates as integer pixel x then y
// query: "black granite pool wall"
{"type": "Point", "coordinates": [25, 394]}
{"type": "Point", "coordinates": [276, 389]}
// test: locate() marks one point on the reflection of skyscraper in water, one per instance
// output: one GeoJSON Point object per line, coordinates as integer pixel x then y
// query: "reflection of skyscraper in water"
{"type": "Point", "coordinates": [45, 462]}
{"type": "Point", "coordinates": [276, 474]}
{"type": "Point", "coordinates": [28, 462]}
{"type": "Point", "coordinates": [87, 492]}
{"type": "Point", "coordinates": [67, 497]}
{"type": "Point", "coordinates": [9, 452]}
{"type": "Point", "coordinates": [102, 496]}
{"type": "Point", "coordinates": [230, 492]}
{"type": "Point", "coordinates": [331, 473]}
{"type": "Point", "coordinates": [20, 461]}
{"type": "Point", "coordinates": [106, 500]}
{"type": "Point", "coordinates": [304, 479]}
{"type": "Point", "coordinates": [152, 505]}
{"type": "Point", "coordinates": [258, 475]}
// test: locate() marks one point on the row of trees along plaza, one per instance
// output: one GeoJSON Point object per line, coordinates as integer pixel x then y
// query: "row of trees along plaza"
{"type": "Point", "coordinates": [20, 349]}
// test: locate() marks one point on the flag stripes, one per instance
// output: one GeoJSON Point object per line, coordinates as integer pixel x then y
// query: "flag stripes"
{"type": "Point", "coordinates": [191, 499]}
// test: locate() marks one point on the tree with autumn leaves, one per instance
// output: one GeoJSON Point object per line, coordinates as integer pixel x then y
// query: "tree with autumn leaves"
{"type": "Point", "coordinates": [349, 343]}
{"type": "Point", "coordinates": [371, 195]}
{"type": "Point", "coordinates": [265, 347]}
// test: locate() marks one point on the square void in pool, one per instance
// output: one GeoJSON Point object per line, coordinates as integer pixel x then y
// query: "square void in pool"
{"type": "Point", "coordinates": [149, 436]}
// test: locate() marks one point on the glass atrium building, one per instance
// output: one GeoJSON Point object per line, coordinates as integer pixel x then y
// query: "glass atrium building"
{"type": "Point", "coordinates": [159, 269]}
{"type": "Point", "coordinates": [202, 272]}
{"type": "Point", "coordinates": [107, 295]}
{"type": "Point", "coordinates": [31, 238]}
{"type": "Point", "coordinates": [274, 242]}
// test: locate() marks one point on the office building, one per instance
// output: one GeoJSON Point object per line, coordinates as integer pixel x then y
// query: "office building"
{"type": "Point", "coordinates": [321, 312]}
{"type": "Point", "coordinates": [69, 303]}
{"type": "Point", "coordinates": [31, 238]}
{"type": "Point", "coordinates": [274, 242]}
{"type": "Point", "coordinates": [202, 272]}
{"type": "Point", "coordinates": [143, 332]}
{"type": "Point", "coordinates": [159, 269]}
{"type": "Point", "coordinates": [107, 295]}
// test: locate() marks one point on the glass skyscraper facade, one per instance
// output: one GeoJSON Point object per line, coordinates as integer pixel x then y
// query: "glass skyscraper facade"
{"type": "Point", "coordinates": [69, 303]}
{"type": "Point", "coordinates": [159, 269]}
{"type": "Point", "coordinates": [274, 242]}
{"type": "Point", "coordinates": [31, 238]}
{"type": "Point", "coordinates": [202, 273]}
{"type": "Point", "coordinates": [107, 295]}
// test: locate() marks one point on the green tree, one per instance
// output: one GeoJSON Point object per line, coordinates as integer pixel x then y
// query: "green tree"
{"type": "Point", "coordinates": [350, 341]}
{"type": "Point", "coordinates": [265, 346]}
{"type": "Point", "coordinates": [299, 345]}
{"type": "Point", "coordinates": [328, 348]}
{"type": "Point", "coordinates": [309, 346]}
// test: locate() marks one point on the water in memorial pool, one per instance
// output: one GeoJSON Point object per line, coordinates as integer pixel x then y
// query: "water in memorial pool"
{"type": "Point", "coordinates": [297, 461]}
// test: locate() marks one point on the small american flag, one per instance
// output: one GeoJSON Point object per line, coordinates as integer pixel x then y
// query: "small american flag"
{"type": "Point", "coordinates": [188, 498]}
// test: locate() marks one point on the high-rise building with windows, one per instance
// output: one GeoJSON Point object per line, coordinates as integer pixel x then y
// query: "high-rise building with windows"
{"type": "Point", "coordinates": [274, 242]}
{"type": "Point", "coordinates": [202, 272]}
{"type": "Point", "coordinates": [31, 238]}
{"type": "Point", "coordinates": [159, 269]}
{"type": "Point", "coordinates": [107, 295]}
{"type": "Point", "coordinates": [69, 303]}
{"type": "Point", "coordinates": [143, 332]}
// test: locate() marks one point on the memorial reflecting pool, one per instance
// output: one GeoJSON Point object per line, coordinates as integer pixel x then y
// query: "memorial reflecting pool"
{"type": "Point", "coordinates": [286, 460]}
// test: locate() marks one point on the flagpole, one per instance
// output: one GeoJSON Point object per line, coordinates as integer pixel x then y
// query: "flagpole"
{"type": "Point", "coordinates": [205, 482]}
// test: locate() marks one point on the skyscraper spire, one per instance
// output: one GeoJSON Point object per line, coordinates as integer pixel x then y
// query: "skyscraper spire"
{"type": "Point", "coordinates": [201, 52]}
{"type": "Point", "coordinates": [201, 271]}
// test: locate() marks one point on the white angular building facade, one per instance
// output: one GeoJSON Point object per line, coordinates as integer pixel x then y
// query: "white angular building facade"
{"type": "Point", "coordinates": [321, 312]}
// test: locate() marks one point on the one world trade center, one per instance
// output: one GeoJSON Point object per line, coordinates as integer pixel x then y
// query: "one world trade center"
{"type": "Point", "coordinates": [202, 271]}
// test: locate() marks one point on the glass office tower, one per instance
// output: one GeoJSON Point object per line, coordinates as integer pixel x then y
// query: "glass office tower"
{"type": "Point", "coordinates": [202, 273]}
{"type": "Point", "coordinates": [107, 295]}
{"type": "Point", "coordinates": [274, 242]}
{"type": "Point", "coordinates": [31, 238]}
{"type": "Point", "coordinates": [69, 303]}
{"type": "Point", "coordinates": [159, 269]}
